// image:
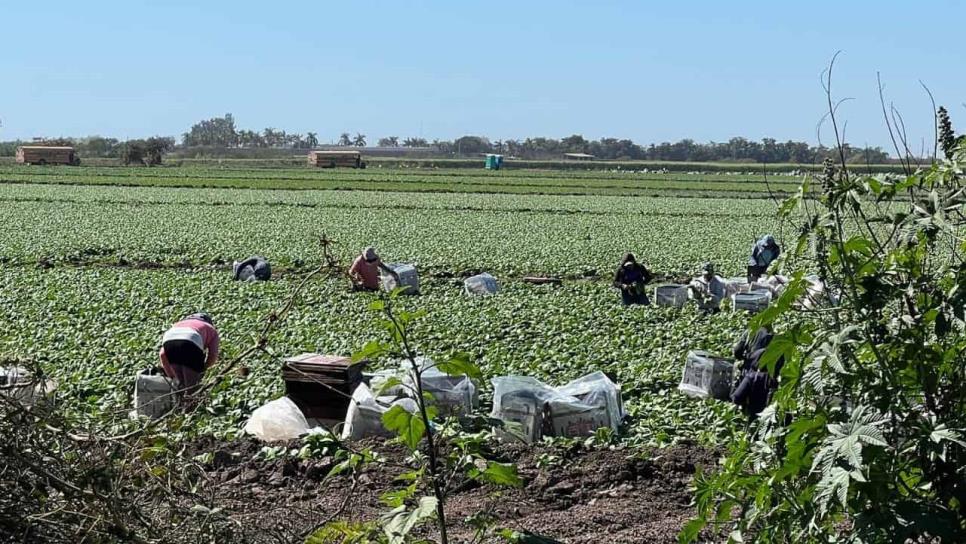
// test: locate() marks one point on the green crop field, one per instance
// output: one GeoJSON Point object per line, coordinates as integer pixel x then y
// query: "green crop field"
{"type": "Point", "coordinates": [99, 261]}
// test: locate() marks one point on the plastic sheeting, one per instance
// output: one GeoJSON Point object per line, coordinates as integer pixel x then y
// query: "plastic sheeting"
{"type": "Point", "coordinates": [481, 284]}
{"type": "Point", "coordinates": [672, 295]}
{"type": "Point", "coordinates": [20, 385]}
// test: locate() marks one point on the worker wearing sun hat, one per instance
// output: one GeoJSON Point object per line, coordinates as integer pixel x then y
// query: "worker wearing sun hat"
{"type": "Point", "coordinates": [188, 348]}
{"type": "Point", "coordinates": [364, 271]}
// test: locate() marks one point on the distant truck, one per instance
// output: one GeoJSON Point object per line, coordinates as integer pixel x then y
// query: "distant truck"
{"type": "Point", "coordinates": [42, 154]}
{"type": "Point", "coordinates": [333, 159]}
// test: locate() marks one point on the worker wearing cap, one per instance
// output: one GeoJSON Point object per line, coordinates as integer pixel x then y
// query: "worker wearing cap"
{"type": "Point", "coordinates": [364, 271]}
{"type": "Point", "coordinates": [763, 253]}
{"type": "Point", "coordinates": [188, 348]}
{"type": "Point", "coordinates": [709, 289]}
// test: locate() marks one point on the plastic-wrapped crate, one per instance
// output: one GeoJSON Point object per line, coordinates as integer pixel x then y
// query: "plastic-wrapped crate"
{"type": "Point", "coordinates": [672, 295]}
{"type": "Point", "coordinates": [533, 409]}
{"type": "Point", "coordinates": [752, 301]}
{"type": "Point", "coordinates": [566, 417]}
{"type": "Point", "coordinates": [522, 413]}
{"type": "Point", "coordinates": [408, 277]}
{"type": "Point", "coordinates": [364, 417]}
{"type": "Point", "coordinates": [707, 376]}
{"type": "Point", "coordinates": [481, 284]}
{"type": "Point", "coordinates": [154, 393]}
{"type": "Point", "coordinates": [739, 284]}
{"type": "Point", "coordinates": [452, 395]}
{"type": "Point", "coordinates": [597, 389]}
{"type": "Point", "coordinates": [20, 385]}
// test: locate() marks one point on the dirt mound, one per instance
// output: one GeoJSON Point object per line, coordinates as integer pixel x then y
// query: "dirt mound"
{"type": "Point", "coordinates": [574, 495]}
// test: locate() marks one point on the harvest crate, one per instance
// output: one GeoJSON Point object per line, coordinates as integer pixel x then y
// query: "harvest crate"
{"type": "Point", "coordinates": [672, 295]}
{"type": "Point", "coordinates": [408, 277]}
{"type": "Point", "coordinates": [154, 393]}
{"type": "Point", "coordinates": [707, 376]}
{"type": "Point", "coordinates": [753, 301]}
{"type": "Point", "coordinates": [321, 385]}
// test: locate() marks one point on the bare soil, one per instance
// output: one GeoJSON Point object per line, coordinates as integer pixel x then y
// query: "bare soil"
{"type": "Point", "coordinates": [585, 496]}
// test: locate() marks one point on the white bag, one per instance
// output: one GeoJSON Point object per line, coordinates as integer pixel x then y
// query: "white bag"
{"type": "Point", "coordinates": [481, 284]}
{"type": "Point", "coordinates": [278, 420]}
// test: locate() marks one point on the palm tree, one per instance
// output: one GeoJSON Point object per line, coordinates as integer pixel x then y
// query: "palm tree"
{"type": "Point", "coordinates": [311, 140]}
{"type": "Point", "coordinates": [344, 139]}
{"type": "Point", "coordinates": [359, 140]}
{"type": "Point", "coordinates": [389, 141]}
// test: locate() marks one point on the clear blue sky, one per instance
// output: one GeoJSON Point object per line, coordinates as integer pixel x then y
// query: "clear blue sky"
{"type": "Point", "coordinates": [649, 71]}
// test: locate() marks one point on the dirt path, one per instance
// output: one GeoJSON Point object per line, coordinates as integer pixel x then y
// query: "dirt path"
{"type": "Point", "coordinates": [615, 496]}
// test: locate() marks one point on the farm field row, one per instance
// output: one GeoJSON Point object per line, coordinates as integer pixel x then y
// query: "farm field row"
{"type": "Point", "coordinates": [441, 233]}
{"type": "Point", "coordinates": [233, 171]}
{"type": "Point", "coordinates": [402, 180]}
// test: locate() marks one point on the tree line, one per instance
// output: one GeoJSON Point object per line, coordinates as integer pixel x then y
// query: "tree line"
{"type": "Point", "coordinates": [221, 132]}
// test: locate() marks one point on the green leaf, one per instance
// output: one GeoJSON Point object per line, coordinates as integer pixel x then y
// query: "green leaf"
{"type": "Point", "coordinates": [781, 346]}
{"type": "Point", "coordinates": [400, 523]}
{"type": "Point", "coordinates": [390, 382]}
{"type": "Point", "coordinates": [397, 498]}
{"type": "Point", "coordinates": [525, 537]}
{"type": "Point", "coordinates": [409, 427]}
{"type": "Point", "coordinates": [377, 305]}
{"type": "Point", "coordinates": [942, 433]}
{"type": "Point", "coordinates": [691, 531]}
{"type": "Point", "coordinates": [370, 351]}
{"type": "Point", "coordinates": [501, 474]}
{"type": "Point", "coordinates": [459, 364]}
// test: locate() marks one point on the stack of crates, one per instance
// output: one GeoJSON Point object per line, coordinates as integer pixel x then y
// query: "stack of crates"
{"type": "Point", "coordinates": [707, 376]}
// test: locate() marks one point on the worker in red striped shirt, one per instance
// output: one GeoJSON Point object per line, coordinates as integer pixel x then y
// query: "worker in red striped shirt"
{"type": "Point", "coordinates": [188, 348]}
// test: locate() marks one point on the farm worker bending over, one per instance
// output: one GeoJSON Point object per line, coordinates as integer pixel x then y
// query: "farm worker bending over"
{"type": "Point", "coordinates": [252, 269]}
{"type": "Point", "coordinates": [763, 253]}
{"type": "Point", "coordinates": [364, 271]}
{"type": "Point", "coordinates": [709, 289]}
{"type": "Point", "coordinates": [184, 347]}
{"type": "Point", "coordinates": [755, 385]}
{"type": "Point", "coordinates": [630, 278]}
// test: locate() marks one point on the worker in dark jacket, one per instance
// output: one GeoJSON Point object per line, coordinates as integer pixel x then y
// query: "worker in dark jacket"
{"type": "Point", "coordinates": [252, 269]}
{"type": "Point", "coordinates": [763, 253]}
{"type": "Point", "coordinates": [755, 384]}
{"type": "Point", "coordinates": [631, 278]}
